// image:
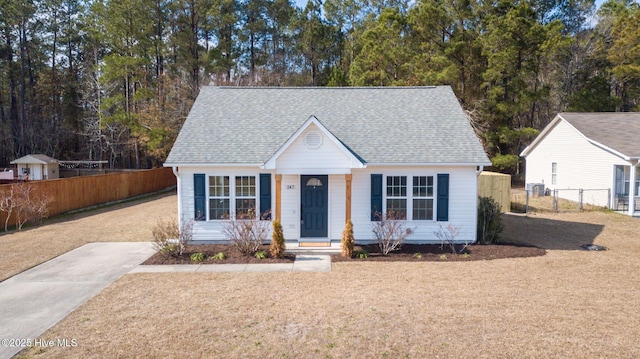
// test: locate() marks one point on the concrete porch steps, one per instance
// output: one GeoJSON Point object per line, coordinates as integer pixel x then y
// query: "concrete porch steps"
{"type": "Point", "coordinates": [294, 247]}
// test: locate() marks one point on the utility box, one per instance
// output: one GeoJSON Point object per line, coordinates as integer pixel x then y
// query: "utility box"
{"type": "Point", "coordinates": [536, 189]}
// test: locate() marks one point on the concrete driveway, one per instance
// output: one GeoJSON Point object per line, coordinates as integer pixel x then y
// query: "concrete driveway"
{"type": "Point", "coordinates": [33, 301]}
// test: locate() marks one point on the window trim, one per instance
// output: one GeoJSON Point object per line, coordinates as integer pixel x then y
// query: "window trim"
{"type": "Point", "coordinates": [232, 194]}
{"type": "Point", "coordinates": [554, 173]}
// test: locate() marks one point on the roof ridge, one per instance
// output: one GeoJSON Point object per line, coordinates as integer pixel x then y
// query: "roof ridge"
{"type": "Point", "coordinates": [325, 87]}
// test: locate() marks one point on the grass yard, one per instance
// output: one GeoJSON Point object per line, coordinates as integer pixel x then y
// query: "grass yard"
{"type": "Point", "coordinates": [569, 303]}
{"type": "Point", "coordinates": [125, 222]}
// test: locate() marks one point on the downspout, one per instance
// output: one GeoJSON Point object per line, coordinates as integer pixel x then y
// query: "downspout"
{"type": "Point", "coordinates": [478, 173]}
{"type": "Point", "coordinates": [176, 172]}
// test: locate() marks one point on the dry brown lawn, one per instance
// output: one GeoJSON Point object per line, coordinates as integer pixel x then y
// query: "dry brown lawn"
{"type": "Point", "coordinates": [567, 304]}
{"type": "Point", "coordinates": [125, 222]}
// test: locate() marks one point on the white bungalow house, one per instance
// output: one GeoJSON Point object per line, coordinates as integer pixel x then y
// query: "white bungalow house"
{"type": "Point", "coordinates": [37, 167]}
{"type": "Point", "coordinates": [316, 157]}
{"type": "Point", "coordinates": [596, 152]}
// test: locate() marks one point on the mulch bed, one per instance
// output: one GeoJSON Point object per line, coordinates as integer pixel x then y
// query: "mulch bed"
{"type": "Point", "coordinates": [434, 252]}
{"type": "Point", "coordinates": [408, 253]}
{"type": "Point", "coordinates": [233, 256]}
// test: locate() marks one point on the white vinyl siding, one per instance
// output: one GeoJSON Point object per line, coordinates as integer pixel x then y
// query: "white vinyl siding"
{"type": "Point", "coordinates": [327, 158]}
{"type": "Point", "coordinates": [462, 201]}
{"type": "Point", "coordinates": [337, 205]}
{"type": "Point", "coordinates": [211, 230]}
{"type": "Point", "coordinates": [290, 203]}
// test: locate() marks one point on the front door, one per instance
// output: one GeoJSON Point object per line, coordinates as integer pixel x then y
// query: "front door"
{"type": "Point", "coordinates": [313, 206]}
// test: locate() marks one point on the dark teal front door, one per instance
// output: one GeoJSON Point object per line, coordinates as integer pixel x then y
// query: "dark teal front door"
{"type": "Point", "coordinates": [313, 206]}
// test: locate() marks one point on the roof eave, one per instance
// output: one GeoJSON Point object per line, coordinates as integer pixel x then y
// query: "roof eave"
{"type": "Point", "coordinates": [428, 164]}
{"type": "Point", "coordinates": [542, 135]}
{"type": "Point", "coordinates": [209, 164]}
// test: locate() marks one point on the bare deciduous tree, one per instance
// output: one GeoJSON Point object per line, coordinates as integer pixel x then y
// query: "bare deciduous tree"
{"type": "Point", "coordinates": [247, 234]}
{"type": "Point", "coordinates": [447, 236]}
{"type": "Point", "coordinates": [172, 239]}
{"type": "Point", "coordinates": [25, 203]}
{"type": "Point", "coordinates": [390, 233]}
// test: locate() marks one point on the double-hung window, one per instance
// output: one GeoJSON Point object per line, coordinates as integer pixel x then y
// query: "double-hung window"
{"type": "Point", "coordinates": [245, 197]}
{"type": "Point", "coordinates": [411, 203]}
{"type": "Point", "coordinates": [554, 173]}
{"type": "Point", "coordinates": [422, 197]}
{"type": "Point", "coordinates": [397, 197]}
{"type": "Point", "coordinates": [219, 196]}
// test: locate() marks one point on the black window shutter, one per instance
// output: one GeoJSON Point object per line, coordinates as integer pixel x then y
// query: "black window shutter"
{"type": "Point", "coordinates": [376, 197]}
{"type": "Point", "coordinates": [265, 196]}
{"type": "Point", "coordinates": [443, 197]}
{"type": "Point", "coordinates": [199, 197]}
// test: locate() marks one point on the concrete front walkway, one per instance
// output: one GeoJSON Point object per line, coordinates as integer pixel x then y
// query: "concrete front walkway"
{"type": "Point", "coordinates": [35, 300]}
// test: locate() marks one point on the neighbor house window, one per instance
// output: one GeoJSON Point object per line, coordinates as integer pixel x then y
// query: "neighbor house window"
{"type": "Point", "coordinates": [554, 172]}
{"type": "Point", "coordinates": [245, 197]}
{"type": "Point", "coordinates": [219, 196]}
{"type": "Point", "coordinates": [422, 197]}
{"type": "Point", "coordinates": [397, 197]}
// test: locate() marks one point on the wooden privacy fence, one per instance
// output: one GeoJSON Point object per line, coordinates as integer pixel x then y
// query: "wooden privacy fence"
{"type": "Point", "coordinates": [69, 194]}
{"type": "Point", "coordinates": [496, 186]}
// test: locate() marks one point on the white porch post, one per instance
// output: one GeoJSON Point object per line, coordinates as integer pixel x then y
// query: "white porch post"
{"type": "Point", "coordinates": [632, 188]}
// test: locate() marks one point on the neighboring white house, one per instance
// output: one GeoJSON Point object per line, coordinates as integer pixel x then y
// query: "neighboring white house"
{"type": "Point", "coordinates": [596, 152]}
{"type": "Point", "coordinates": [316, 157]}
{"type": "Point", "coordinates": [37, 167]}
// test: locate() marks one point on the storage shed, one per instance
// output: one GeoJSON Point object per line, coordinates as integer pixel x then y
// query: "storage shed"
{"type": "Point", "coordinates": [37, 167]}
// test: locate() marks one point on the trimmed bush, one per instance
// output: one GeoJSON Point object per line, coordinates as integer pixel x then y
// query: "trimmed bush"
{"type": "Point", "coordinates": [277, 246]}
{"type": "Point", "coordinates": [489, 223]}
{"type": "Point", "coordinates": [347, 240]}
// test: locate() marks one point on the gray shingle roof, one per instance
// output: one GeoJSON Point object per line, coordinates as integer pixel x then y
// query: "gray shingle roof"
{"type": "Point", "coordinates": [391, 125]}
{"type": "Point", "coordinates": [617, 130]}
